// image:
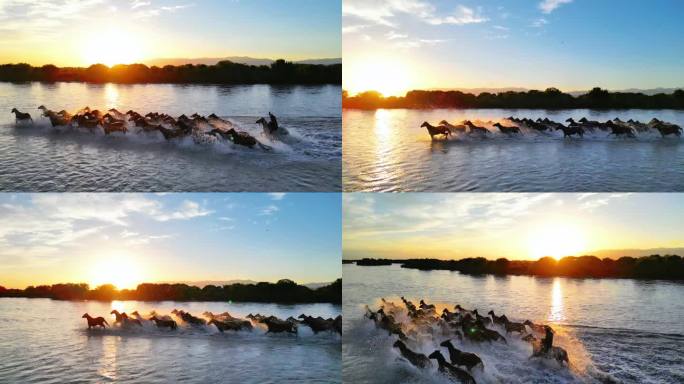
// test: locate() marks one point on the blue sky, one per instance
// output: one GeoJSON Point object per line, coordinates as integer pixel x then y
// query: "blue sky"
{"type": "Point", "coordinates": [64, 32]}
{"type": "Point", "coordinates": [48, 238]}
{"type": "Point", "coordinates": [511, 225]}
{"type": "Point", "coordinates": [570, 44]}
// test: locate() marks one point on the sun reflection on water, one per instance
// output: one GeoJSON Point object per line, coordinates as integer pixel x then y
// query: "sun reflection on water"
{"type": "Point", "coordinates": [556, 314]}
{"type": "Point", "coordinates": [112, 95]}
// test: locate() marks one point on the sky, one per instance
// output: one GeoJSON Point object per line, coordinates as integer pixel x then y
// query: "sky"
{"type": "Point", "coordinates": [126, 239]}
{"type": "Point", "coordinates": [516, 226]}
{"type": "Point", "coordinates": [397, 45]}
{"type": "Point", "coordinates": [83, 32]}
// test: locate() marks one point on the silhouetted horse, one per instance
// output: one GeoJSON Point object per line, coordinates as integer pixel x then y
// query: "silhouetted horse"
{"type": "Point", "coordinates": [417, 359]}
{"type": "Point", "coordinates": [171, 324]}
{"type": "Point", "coordinates": [571, 130]}
{"type": "Point", "coordinates": [507, 130]}
{"type": "Point", "coordinates": [668, 129]}
{"type": "Point", "coordinates": [475, 129]}
{"type": "Point", "coordinates": [21, 116]}
{"type": "Point", "coordinates": [95, 321]}
{"type": "Point", "coordinates": [458, 357]}
{"type": "Point", "coordinates": [449, 370]}
{"type": "Point", "coordinates": [434, 131]}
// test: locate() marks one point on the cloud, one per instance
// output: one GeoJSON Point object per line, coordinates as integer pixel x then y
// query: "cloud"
{"type": "Point", "coordinates": [277, 196]}
{"type": "Point", "coordinates": [147, 12]}
{"type": "Point", "coordinates": [417, 43]}
{"type": "Point", "coordinates": [539, 22]}
{"type": "Point", "coordinates": [269, 210]}
{"type": "Point", "coordinates": [138, 3]}
{"type": "Point", "coordinates": [188, 210]}
{"type": "Point", "coordinates": [392, 35]}
{"type": "Point", "coordinates": [548, 6]}
{"type": "Point", "coordinates": [592, 201]}
{"type": "Point", "coordinates": [384, 12]}
{"type": "Point", "coordinates": [463, 15]}
{"type": "Point", "coordinates": [354, 28]}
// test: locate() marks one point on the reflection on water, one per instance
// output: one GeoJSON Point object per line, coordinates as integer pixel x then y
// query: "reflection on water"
{"type": "Point", "coordinates": [387, 150]}
{"type": "Point", "coordinates": [556, 314]}
{"type": "Point", "coordinates": [629, 330]}
{"type": "Point", "coordinates": [46, 341]}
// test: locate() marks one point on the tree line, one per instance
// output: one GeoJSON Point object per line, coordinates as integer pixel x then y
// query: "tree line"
{"type": "Point", "coordinates": [224, 72]}
{"type": "Point", "coordinates": [670, 267]}
{"type": "Point", "coordinates": [284, 291]}
{"type": "Point", "coordinates": [550, 98]}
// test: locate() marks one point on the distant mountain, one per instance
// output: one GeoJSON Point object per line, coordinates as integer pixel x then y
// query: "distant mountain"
{"type": "Point", "coordinates": [236, 59]}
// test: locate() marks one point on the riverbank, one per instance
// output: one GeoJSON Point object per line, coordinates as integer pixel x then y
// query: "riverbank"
{"type": "Point", "coordinates": [284, 291]}
{"type": "Point", "coordinates": [667, 267]}
{"type": "Point", "coordinates": [551, 98]}
{"type": "Point", "coordinates": [224, 72]}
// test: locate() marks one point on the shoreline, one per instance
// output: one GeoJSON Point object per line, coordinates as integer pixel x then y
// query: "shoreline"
{"type": "Point", "coordinates": [654, 267]}
{"type": "Point", "coordinates": [283, 292]}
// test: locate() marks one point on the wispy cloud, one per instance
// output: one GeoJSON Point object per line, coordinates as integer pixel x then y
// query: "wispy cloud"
{"type": "Point", "coordinates": [548, 6]}
{"type": "Point", "coordinates": [538, 23]}
{"type": "Point", "coordinates": [385, 12]}
{"type": "Point", "coordinates": [417, 43]}
{"type": "Point", "coordinates": [277, 196]}
{"type": "Point", "coordinates": [269, 210]}
{"type": "Point", "coordinates": [463, 15]}
{"type": "Point", "coordinates": [188, 210]}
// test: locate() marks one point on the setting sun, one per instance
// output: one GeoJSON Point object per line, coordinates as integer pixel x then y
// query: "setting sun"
{"type": "Point", "coordinates": [112, 47]}
{"type": "Point", "coordinates": [385, 75]}
{"type": "Point", "coordinates": [556, 240]}
{"type": "Point", "coordinates": [123, 272]}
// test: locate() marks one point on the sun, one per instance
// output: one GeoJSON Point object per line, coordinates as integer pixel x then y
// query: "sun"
{"type": "Point", "coordinates": [556, 240]}
{"type": "Point", "coordinates": [121, 271]}
{"type": "Point", "coordinates": [111, 47]}
{"type": "Point", "coordinates": [385, 75]}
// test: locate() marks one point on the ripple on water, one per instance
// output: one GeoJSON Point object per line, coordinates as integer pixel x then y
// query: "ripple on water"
{"type": "Point", "coordinates": [392, 153]}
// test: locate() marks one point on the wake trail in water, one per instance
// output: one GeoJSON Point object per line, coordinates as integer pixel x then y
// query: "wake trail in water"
{"type": "Point", "coordinates": [509, 362]}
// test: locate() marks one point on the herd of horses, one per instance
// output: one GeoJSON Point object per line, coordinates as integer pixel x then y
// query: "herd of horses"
{"type": "Point", "coordinates": [413, 325]}
{"type": "Point", "coordinates": [615, 127]}
{"type": "Point", "coordinates": [202, 129]}
{"type": "Point", "coordinates": [223, 321]}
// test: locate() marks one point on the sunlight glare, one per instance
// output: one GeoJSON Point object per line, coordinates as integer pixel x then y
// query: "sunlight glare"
{"type": "Point", "coordinates": [112, 47]}
{"type": "Point", "coordinates": [556, 240]}
{"type": "Point", "coordinates": [387, 76]}
{"type": "Point", "coordinates": [118, 270]}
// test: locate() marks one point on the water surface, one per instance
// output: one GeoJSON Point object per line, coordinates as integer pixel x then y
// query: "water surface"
{"type": "Point", "coordinates": [41, 158]}
{"type": "Point", "coordinates": [46, 341]}
{"type": "Point", "coordinates": [622, 330]}
{"type": "Point", "coordinates": [387, 150]}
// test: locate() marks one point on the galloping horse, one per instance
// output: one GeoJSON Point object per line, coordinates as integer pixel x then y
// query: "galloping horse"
{"type": "Point", "coordinates": [164, 323]}
{"type": "Point", "coordinates": [434, 131]}
{"type": "Point", "coordinates": [21, 116]}
{"type": "Point", "coordinates": [95, 321]}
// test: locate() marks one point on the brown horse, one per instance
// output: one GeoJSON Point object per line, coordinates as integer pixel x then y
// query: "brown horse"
{"type": "Point", "coordinates": [668, 129]}
{"type": "Point", "coordinates": [276, 325]}
{"type": "Point", "coordinates": [231, 324]}
{"type": "Point", "coordinates": [95, 321]}
{"type": "Point", "coordinates": [163, 323]}
{"type": "Point", "coordinates": [434, 131]}
{"type": "Point", "coordinates": [475, 129]}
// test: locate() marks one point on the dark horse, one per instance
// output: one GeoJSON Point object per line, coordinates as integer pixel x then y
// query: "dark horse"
{"type": "Point", "coordinates": [21, 116]}
{"type": "Point", "coordinates": [571, 130]}
{"type": "Point", "coordinates": [449, 370]}
{"type": "Point", "coordinates": [164, 323]}
{"type": "Point", "coordinates": [95, 321]}
{"type": "Point", "coordinates": [438, 130]}
{"type": "Point", "coordinates": [507, 130]}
